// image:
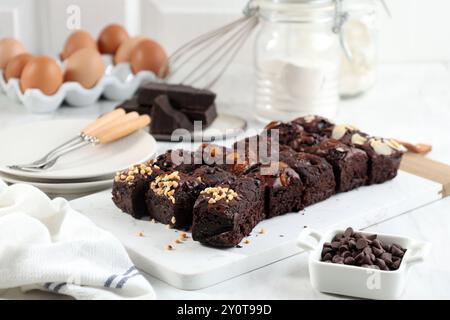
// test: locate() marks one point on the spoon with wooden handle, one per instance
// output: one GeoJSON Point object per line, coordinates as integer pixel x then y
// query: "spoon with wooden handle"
{"type": "Point", "coordinates": [110, 132]}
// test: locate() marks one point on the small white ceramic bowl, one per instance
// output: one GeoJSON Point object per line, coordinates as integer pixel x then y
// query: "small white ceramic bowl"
{"type": "Point", "coordinates": [357, 281]}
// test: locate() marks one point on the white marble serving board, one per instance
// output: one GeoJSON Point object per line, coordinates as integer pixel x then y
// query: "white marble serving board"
{"type": "Point", "coordinates": [192, 266]}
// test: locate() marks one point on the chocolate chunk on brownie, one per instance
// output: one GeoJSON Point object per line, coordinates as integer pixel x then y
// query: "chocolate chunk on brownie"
{"type": "Point", "coordinates": [226, 214]}
{"type": "Point", "coordinates": [287, 132]}
{"type": "Point", "coordinates": [315, 124]}
{"type": "Point", "coordinates": [385, 156]}
{"type": "Point", "coordinates": [171, 198]}
{"type": "Point", "coordinates": [260, 149]}
{"type": "Point", "coordinates": [178, 160]}
{"type": "Point", "coordinates": [282, 188]}
{"type": "Point", "coordinates": [130, 187]}
{"type": "Point", "coordinates": [349, 164]}
{"type": "Point", "coordinates": [305, 141]}
{"type": "Point", "coordinates": [213, 176]}
{"type": "Point", "coordinates": [180, 96]}
{"type": "Point", "coordinates": [316, 174]}
{"type": "Point", "coordinates": [166, 119]}
{"type": "Point", "coordinates": [224, 158]}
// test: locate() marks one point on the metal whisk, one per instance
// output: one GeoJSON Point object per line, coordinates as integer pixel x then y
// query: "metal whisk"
{"type": "Point", "coordinates": [217, 49]}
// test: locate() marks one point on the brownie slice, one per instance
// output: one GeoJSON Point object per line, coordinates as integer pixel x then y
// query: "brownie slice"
{"type": "Point", "coordinates": [178, 160]}
{"type": "Point", "coordinates": [287, 132]}
{"type": "Point", "coordinates": [315, 124]}
{"type": "Point", "coordinates": [166, 119]}
{"type": "Point", "coordinates": [226, 214]}
{"type": "Point", "coordinates": [181, 96]}
{"type": "Point", "coordinates": [213, 176]}
{"type": "Point", "coordinates": [171, 198]}
{"type": "Point", "coordinates": [316, 174]}
{"type": "Point", "coordinates": [281, 186]}
{"type": "Point", "coordinates": [130, 187]}
{"type": "Point", "coordinates": [224, 158]}
{"type": "Point", "coordinates": [385, 156]}
{"type": "Point", "coordinates": [260, 149]}
{"type": "Point", "coordinates": [349, 164]}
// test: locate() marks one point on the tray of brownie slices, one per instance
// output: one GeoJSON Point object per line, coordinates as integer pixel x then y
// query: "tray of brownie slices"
{"type": "Point", "coordinates": [194, 218]}
{"type": "Point", "coordinates": [183, 113]}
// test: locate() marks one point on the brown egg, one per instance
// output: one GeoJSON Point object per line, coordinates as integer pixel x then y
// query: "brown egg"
{"type": "Point", "coordinates": [76, 41]}
{"type": "Point", "coordinates": [9, 48]}
{"type": "Point", "coordinates": [15, 67]}
{"type": "Point", "coordinates": [42, 73]}
{"type": "Point", "coordinates": [148, 55]}
{"type": "Point", "coordinates": [123, 54]}
{"type": "Point", "coordinates": [85, 67]}
{"type": "Point", "coordinates": [111, 38]}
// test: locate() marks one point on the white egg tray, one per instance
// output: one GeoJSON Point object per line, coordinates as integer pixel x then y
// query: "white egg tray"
{"type": "Point", "coordinates": [118, 84]}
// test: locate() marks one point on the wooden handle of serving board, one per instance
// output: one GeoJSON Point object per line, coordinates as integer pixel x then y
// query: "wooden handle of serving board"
{"type": "Point", "coordinates": [124, 130]}
{"type": "Point", "coordinates": [429, 169]}
{"type": "Point", "coordinates": [102, 121]}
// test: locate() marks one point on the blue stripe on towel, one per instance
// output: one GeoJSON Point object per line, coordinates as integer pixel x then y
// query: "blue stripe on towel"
{"type": "Point", "coordinates": [125, 280]}
{"type": "Point", "coordinates": [111, 279]}
{"type": "Point", "coordinates": [59, 287]}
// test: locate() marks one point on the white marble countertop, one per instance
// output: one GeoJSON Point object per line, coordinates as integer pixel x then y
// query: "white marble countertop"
{"type": "Point", "coordinates": [410, 102]}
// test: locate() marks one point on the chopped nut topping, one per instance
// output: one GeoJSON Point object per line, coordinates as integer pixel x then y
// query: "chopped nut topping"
{"type": "Point", "coordinates": [174, 220]}
{"type": "Point", "coordinates": [141, 234]}
{"type": "Point", "coordinates": [340, 131]}
{"type": "Point", "coordinates": [183, 236]}
{"type": "Point", "coordinates": [169, 247]}
{"type": "Point", "coordinates": [309, 119]}
{"type": "Point", "coordinates": [219, 193]}
{"type": "Point", "coordinates": [153, 221]}
{"type": "Point", "coordinates": [381, 147]}
{"type": "Point", "coordinates": [166, 184]}
{"type": "Point", "coordinates": [340, 149]}
{"type": "Point", "coordinates": [178, 241]}
{"type": "Point", "coordinates": [129, 175]}
{"type": "Point", "coordinates": [263, 231]}
{"type": "Point", "coordinates": [358, 139]}
{"type": "Point", "coordinates": [247, 241]}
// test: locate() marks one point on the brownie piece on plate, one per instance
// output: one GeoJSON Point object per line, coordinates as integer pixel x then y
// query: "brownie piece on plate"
{"type": "Point", "coordinates": [316, 174]}
{"type": "Point", "coordinates": [178, 160]}
{"type": "Point", "coordinates": [385, 156]}
{"type": "Point", "coordinates": [258, 149]}
{"type": "Point", "coordinates": [287, 132]}
{"type": "Point", "coordinates": [349, 164]}
{"type": "Point", "coordinates": [315, 124]}
{"type": "Point", "coordinates": [171, 198]}
{"type": "Point", "coordinates": [130, 187]}
{"type": "Point", "coordinates": [181, 96]}
{"type": "Point", "coordinates": [281, 186]}
{"type": "Point", "coordinates": [226, 214]}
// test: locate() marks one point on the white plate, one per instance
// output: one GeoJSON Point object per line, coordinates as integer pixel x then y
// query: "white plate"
{"type": "Point", "coordinates": [27, 143]}
{"type": "Point", "coordinates": [64, 188]}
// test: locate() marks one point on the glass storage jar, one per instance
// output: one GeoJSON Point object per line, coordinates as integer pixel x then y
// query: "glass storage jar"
{"type": "Point", "coordinates": [359, 34]}
{"type": "Point", "coordinates": [298, 57]}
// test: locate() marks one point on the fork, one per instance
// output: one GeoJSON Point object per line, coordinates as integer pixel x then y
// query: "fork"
{"type": "Point", "coordinates": [107, 129]}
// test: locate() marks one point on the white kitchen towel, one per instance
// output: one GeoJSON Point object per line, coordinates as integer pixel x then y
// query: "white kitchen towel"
{"type": "Point", "coordinates": [46, 245]}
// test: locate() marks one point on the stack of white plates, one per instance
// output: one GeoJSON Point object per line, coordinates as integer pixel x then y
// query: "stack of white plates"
{"type": "Point", "coordinates": [84, 171]}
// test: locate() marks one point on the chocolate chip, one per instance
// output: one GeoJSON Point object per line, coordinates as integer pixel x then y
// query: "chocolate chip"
{"type": "Point", "coordinates": [367, 250]}
{"type": "Point", "coordinates": [349, 261]}
{"type": "Point", "coordinates": [325, 251]}
{"type": "Point", "coordinates": [327, 257]}
{"type": "Point", "coordinates": [346, 254]}
{"type": "Point", "coordinates": [339, 236]}
{"type": "Point", "coordinates": [358, 235]}
{"type": "Point", "coordinates": [377, 252]}
{"type": "Point", "coordinates": [348, 233]}
{"type": "Point", "coordinates": [371, 237]}
{"type": "Point", "coordinates": [361, 243]}
{"type": "Point", "coordinates": [376, 243]}
{"type": "Point", "coordinates": [396, 265]}
{"type": "Point", "coordinates": [367, 259]}
{"type": "Point", "coordinates": [327, 245]}
{"type": "Point", "coordinates": [352, 244]}
{"type": "Point", "coordinates": [397, 252]}
{"type": "Point", "coordinates": [337, 259]}
{"type": "Point", "coordinates": [381, 264]}
{"type": "Point", "coordinates": [343, 248]}
{"type": "Point", "coordinates": [335, 244]}
{"type": "Point", "coordinates": [387, 257]}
